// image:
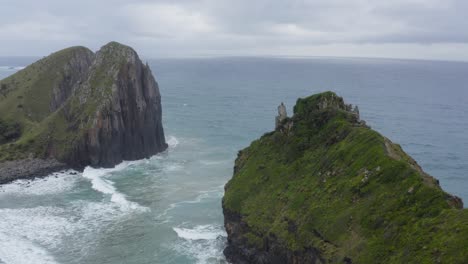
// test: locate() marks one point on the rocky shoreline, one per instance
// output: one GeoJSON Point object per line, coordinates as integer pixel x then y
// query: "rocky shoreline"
{"type": "Point", "coordinates": [273, 252]}
{"type": "Point", "coordinates": [29, 169]}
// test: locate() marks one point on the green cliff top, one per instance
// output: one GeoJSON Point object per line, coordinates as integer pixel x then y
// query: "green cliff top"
{"type": "Point", "coordinates": [26, 95]}
{"type": "Point", "coordinates": [325, 180]}
{"type": "Point", "coordinates": [45, 107]}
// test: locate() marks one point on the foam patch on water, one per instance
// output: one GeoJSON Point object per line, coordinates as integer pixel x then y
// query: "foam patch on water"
{"type": "Point", "coordinates": [172, 142]}
{"type": "Point", "coordinates": [27, 233]}
{"type": "Point", "coordinates": [201, 232]}
{"type": "Point", "coordinates": [55, 183]}
{"type": "Point", "coordinates": [214, 162]}
{"type": "Point", "coordinates": [171, 167]}
{"type": "Point", "coordinates": [15, 250]}
{"type": "Point", "coordinates": [204, 243]}
{"type": "Point", "coordinates": [106, 186]}
{"type": "Point", "coordinates": [165, 216]}
{"type": "Point", "coordinates": [44, 225]}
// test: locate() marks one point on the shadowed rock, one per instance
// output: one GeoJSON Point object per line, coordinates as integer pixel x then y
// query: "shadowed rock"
{"type": "Point", "coordinates": [79, 108]}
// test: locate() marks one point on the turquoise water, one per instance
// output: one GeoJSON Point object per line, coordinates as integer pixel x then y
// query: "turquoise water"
{"type": "Point", "coordinates": [167, 209]}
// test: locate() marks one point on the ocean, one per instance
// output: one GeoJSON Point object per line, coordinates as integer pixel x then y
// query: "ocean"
{"type": "Point", "coordinates": [167, 209]}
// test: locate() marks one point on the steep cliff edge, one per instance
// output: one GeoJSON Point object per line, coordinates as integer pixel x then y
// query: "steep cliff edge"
{"type": "Point", "coordinates": [325, 188]}
{"type": "Point", "coordinates": [75, 108]}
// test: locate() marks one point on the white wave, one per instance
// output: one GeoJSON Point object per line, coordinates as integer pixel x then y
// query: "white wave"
{"type": "Point", "coordinates": [12, 68]}
{"type": "Point", "coordinates": [204, 243]}
{"type": "Point", "coordinates": [106, 186]}
{"type": "Point", "coordinates": [43, 224]}
{"type": "Point", "coordinates": [205, 232]}
{"type": "Point", "coordinates": [165, 217]}
{"type": "Point", "coordinates": [16, 250]}
{"type": "Point", "coordinates": [26, 233]}
{"type": "Point", "coordinates": [172, 142]}
{"type": "Point", "coordinates": [172, 167]}
{"type": "Point", "coordinates": [52, 184]}
{"type": "Point", "coordinates": [214, 162]}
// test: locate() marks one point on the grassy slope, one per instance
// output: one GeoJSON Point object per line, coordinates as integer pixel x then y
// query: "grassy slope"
{"type": "Point", "coordinates": [25, 102]}
{"type": "Point", "coordinates": [335, 186]}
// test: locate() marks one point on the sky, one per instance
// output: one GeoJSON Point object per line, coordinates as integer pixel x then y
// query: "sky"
{"type": "Point", "coordinates": [419, 29]}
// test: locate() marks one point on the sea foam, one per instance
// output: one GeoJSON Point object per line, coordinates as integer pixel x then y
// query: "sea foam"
{"type": "Point", "coordinates": [172, 142]}
{"type": "Point", "coordinates": [205, 232]}
{"type": "Point", "coordinates": [106, 186]}
{"type": "Point", "coordinates": [15, 250]}
{"type": "Point", "coordinates": [205, 243]}
{"type": "Point", "coordinates": [55, 183]}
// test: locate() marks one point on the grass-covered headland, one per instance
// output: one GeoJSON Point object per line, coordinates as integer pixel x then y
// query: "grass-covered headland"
{"type": "Point", "coordinates": [326, 188]}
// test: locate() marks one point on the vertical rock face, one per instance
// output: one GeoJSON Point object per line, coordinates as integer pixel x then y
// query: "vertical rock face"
{"type": "Point", "coordinates": [127, 124]}
{"type": "Point", "coordinates": [81, 109]}
{"type": "Point", "coordinates": [73, 72]}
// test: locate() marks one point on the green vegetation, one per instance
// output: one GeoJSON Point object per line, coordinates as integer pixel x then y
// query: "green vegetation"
{"type": "Point", "coordinates": [25, 104]}
{"type": "Point", "coordinates": [9, 131]}
{"type": "Point", "coordinates": [333, 184]}
{"type": "Point", "coordinates": [47, 108]}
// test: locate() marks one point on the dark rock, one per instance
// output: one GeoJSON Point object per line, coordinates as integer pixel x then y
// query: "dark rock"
{"type": "Point", "coordinates": [28, 169]}
{"type": "Point", "coordinates": [128, 125]}
{"type": "Point", "coordinates": [271, 252]}
{"type": "Point", "coordinates": [103, 108]}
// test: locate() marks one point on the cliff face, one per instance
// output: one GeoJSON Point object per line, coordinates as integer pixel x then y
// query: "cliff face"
{"type": "Point", "coordinates": [325, 188]}
{"type": "Point", "coordinates": [125, 103]}
{"type": "Point", "coordinates": [81, 108]}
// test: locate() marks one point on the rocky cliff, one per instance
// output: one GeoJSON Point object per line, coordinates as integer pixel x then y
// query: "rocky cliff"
{"type": "Point", "coordinates": [75, 108]}
{"type": "Point", "coordinates": [325, 188]}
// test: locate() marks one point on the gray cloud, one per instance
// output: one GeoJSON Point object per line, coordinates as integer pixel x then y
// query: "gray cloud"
{"type": "Point", "coordinates": [393, 28]}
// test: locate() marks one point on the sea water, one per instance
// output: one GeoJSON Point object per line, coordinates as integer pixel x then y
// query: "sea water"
{"type": "Point", "coordinates": [167, 209]}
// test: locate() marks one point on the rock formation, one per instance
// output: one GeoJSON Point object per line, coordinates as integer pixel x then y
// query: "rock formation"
{"type": "Point", "coordinates": [332, 190]}
{"type": "Point", "coordinates": [78, 108]}
{"type": "Point", "coordinates": [282, 115]}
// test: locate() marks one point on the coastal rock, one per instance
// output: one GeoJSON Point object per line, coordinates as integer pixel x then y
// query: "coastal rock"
{"type": "Point", "coordinates": [332, 190]}
{"type": "Point", "coordinates": [127, 123]}
{"type": "Point", "coordinates": [73, 72]}
{"type": "Point", "coordinates": [28, 169]}
{"type": "Point", "coordinates": [80, 109]}
{"type": "Point", "coordinates": [282, 115]}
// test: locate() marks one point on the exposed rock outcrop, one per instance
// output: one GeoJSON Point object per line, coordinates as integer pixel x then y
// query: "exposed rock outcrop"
{"type": "Point", "coordinates": [28, 169]}
{"type": "Point", "coordinates": [127, 123]}
{"type": "Point", "coordinates": [74, 71]}
{"type": "Point", "coordinates": [80, 109]}
{"type": "Point", "coordinates": [331, 190]}
{"type": "Point", "coordinates": [282, 115]}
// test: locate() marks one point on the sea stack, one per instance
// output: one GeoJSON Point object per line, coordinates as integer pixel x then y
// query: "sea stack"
{"type": "Point", "coordinates": [76, 108]}
{"type": "Point", "coordinates": [329, 189]}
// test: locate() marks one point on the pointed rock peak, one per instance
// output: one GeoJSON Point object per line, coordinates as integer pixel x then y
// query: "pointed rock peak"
{"type": "Point", "coordinates": [117, 50]}
{"type": "Point", "coordinates": [115, 45]}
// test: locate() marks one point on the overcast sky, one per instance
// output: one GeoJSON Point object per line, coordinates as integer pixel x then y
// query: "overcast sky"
{"type": "Point", "coordinates": [428, 29]}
